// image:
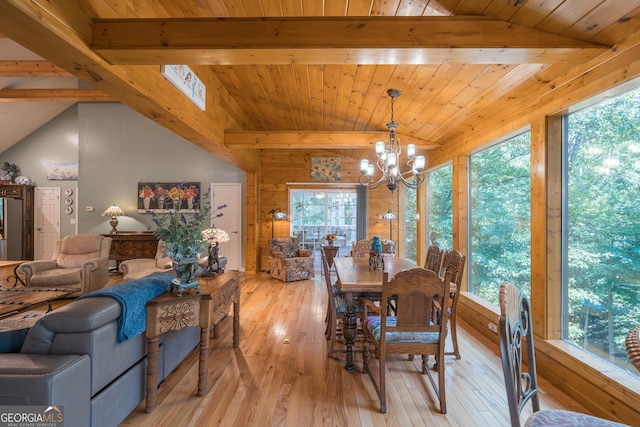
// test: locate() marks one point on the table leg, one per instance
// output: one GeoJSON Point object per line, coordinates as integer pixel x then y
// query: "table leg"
{"type": "Point", "coordinates": [349, 332]}
{"type": "Point", "coordinates": [152, 373]}
{"type": "Point", "coordinates": [204, 356]}
{"type": "Point", "coordinates": [236, 322]}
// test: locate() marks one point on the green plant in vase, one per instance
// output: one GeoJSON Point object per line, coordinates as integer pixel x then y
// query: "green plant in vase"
{"type": "Point", "coordinates": [183, 239]}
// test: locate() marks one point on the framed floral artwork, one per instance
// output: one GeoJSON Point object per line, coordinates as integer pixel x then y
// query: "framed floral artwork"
{"type": "Point", "coordinates": [325, 168]}
{"type": "Point", "coordinates": [163, 197]}
{"type": "Point", "coordinates": [62, 171]}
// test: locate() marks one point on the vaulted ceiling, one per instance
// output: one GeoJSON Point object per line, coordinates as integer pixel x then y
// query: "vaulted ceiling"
{"type": "Point", "coordinates": [316, 72]}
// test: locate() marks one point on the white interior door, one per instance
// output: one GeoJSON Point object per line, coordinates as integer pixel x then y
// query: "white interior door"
{"type": "Point", "coordinates": [47, 221]}
{"type": "Point", "coordinates": [230, 221]}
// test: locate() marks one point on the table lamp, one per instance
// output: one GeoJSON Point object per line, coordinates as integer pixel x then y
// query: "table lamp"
{"type": "Point", "coordinates": [214, 236]}
{"type": "Point", "coordinates": [390, 216]}
{"type": "Point", "coordinates": [114, 212]}
{"type": "Point", "coordinates": [276, 214]}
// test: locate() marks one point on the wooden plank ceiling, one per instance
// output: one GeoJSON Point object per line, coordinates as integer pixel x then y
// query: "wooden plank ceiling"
{"type": "Point", "coordinates": [497, 49]}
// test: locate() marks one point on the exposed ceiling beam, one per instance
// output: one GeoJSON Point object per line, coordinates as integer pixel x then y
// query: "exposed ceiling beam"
{"type": "Point", "coordinates": [31, 69]}
{"type": "Point", "coordinates": [314, 140]}
{"type": "Point", "coordinates": [332, 40]}
{"type": "Point", "coordinates": [60, 33]}
{"type": "Point", "coordinates": [54, 95]}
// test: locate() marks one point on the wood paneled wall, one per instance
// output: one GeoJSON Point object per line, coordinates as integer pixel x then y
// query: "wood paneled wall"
{"type": "Point", "coordinates": [285, 169]}
{"type": "Point", "coordinates": [604, 390]}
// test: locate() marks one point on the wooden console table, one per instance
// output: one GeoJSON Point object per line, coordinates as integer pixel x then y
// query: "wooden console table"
{"type": "Point", "coordinates": [224, 290]}
{"type": "Point", "coordinates": [131, 245]}
{"type": "Point", "coordinates": [169, 312]}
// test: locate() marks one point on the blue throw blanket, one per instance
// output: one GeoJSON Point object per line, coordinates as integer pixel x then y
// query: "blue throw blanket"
{"type": "Point", "coordinates": [133, 296]}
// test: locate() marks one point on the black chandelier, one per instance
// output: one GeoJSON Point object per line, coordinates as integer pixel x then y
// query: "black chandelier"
{"type": "Point", "coordinates": [388, 156]}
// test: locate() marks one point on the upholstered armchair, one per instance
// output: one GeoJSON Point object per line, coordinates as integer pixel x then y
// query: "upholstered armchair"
{"type": "Point", "coordinates": [288, 262]}
{"type": "Point", "coordinates": [80, 262]}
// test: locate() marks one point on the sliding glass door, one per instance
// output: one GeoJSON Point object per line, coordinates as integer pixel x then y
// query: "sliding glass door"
{"type": "Point", "coordinates": [316, 213]}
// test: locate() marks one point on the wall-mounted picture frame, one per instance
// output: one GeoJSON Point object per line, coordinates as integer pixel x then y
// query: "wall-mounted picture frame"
{"type": "Point", "coordinates": [325, 169]}
{"type": "Point", "coordinates": [164, 197]}
{"type": "Point", "coordinates": [182, 77]}
{"type": "Point", "coordinates": [62, 171]}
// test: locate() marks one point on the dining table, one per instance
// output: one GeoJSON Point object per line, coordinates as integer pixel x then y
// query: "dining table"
{"type": "Point", "coordinates": [357, 277]}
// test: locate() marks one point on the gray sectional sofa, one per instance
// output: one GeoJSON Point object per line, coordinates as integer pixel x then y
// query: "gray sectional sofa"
{"type": "Point", "coordinates": [71, 358]}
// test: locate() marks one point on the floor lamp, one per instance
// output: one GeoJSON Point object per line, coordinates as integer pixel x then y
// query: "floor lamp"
{"type": "Point", "coordinates": [390, 216]}
{"type": "Point", "coordinates": [276, 214]}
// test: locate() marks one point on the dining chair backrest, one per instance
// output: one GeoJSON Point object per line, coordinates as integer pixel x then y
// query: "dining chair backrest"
{"type": "Point", "coordinates": [515, 328]}
{"type": "Point", "coordinates": [416, 291]}
{"type": "Point", "coordinates": [433, 260]}
{"type": "Point", "coordinates": [453, 262]}
{"type": "Point", "coordinates": [362, 248]}
{"type": "Point", "coordinates": [327, 277]}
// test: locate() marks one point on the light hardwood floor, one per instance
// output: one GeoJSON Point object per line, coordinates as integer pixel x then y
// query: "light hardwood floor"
{"type": "Point", "coordinates": [280, 375]}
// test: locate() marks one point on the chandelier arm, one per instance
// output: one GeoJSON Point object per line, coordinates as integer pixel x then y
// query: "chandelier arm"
{"type": "Point", "coordinates": [368, 182]}
{"type": "Point", "coordinates": [419, 179]}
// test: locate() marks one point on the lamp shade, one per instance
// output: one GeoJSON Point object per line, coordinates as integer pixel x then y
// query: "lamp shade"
{"type": "Point", "coordinates": [215, 235]}
{"type": "Point", "coordinates": [279, 215]}
{"type": "Point", "coordinates": [389, 215]}
{"type": "Point", "coordinates": [114, 211]}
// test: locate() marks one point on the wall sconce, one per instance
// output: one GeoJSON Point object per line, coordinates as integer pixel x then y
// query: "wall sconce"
{"type": "Point", "coordinates": [390, 216]}
{"type": "Point", "coordinates": [276, 214]}
{"type": "Point", "coordinates": [114, 212]}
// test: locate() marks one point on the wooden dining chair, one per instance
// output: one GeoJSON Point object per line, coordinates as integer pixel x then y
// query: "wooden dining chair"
{"type": "Point", "coordinates": [336, 307]}
{"type": "Point", "coordinates": [413, 331]}
{"type": "Point", "coordinates": [453, 262]}
{"type": "Point", "coordinates": [433, 261]}
{"type": "Point", "coordinates": [515, 329]}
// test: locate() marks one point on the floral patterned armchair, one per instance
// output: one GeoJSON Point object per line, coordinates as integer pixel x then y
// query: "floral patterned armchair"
{"type": "Point", "coordinates": [288, 262]}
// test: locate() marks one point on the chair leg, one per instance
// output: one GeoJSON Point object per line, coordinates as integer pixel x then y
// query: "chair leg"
{"type": "Point", "coordinates": [441, 386]}
{"type": "Point", "coordinates": [326, 320]}
{"type": "Point", "coordinates": [331, 324]}
{"type": "Point", "coordinates": [453, 320]}
{"type": "Point", "coordinates": [382, 394]}
{"type": "Point", "coordinates": [454, 335]}
{"type": "Point", "coordinates": [365, 353]}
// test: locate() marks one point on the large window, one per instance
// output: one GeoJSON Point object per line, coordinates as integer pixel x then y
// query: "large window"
{"type": "Point", "coordinates": [439, 207]}
{"type": "Point", "coordinates": [314, 214]}
{"type": "Point", "coordinates": [602, 215]}
{"type": "Point", "coordinates": [410, 220]}
{"type": "Point", "coordinates": [500, 232]}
